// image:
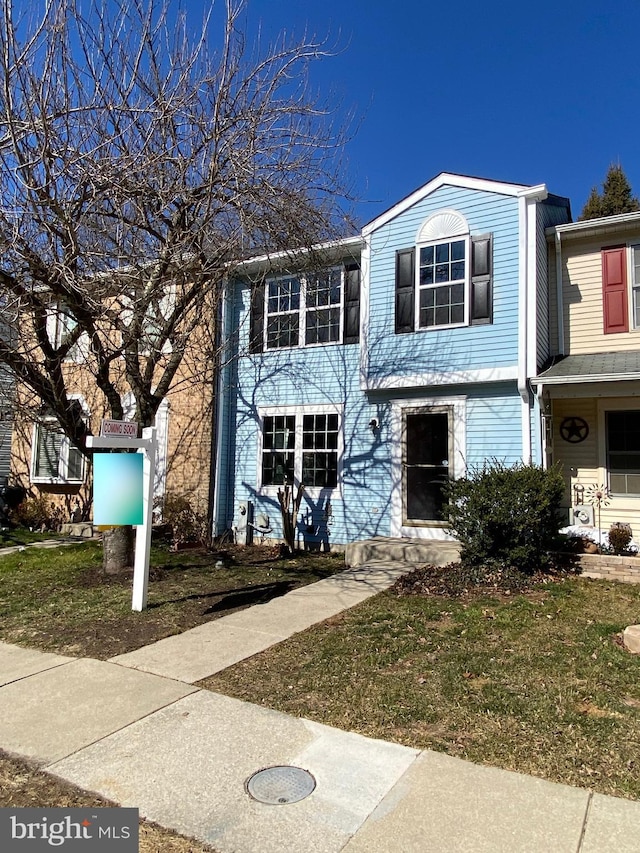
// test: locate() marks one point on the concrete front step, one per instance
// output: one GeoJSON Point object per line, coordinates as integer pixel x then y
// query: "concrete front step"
{"type": "Point", "coordinates": [411, 551]}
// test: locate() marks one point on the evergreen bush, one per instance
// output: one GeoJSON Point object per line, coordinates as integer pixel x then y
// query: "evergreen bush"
{"type": "Point", "coordinates": [506, 516]}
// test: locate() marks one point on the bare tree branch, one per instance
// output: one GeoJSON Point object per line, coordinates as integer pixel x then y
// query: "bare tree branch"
{"type": "Point", "coordinates": [138, 164]}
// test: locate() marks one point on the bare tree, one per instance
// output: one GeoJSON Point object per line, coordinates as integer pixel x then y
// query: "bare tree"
{"type": "Point", "coordinates": [137, 166]}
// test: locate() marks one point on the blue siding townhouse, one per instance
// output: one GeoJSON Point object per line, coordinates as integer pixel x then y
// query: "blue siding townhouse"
{"type": "Point", "coordinates": [374, 368]}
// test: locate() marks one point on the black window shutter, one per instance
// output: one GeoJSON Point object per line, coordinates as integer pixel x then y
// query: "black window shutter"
{"type": "Point", "coordinates": [481, 279]}
{"type": "Point", "coordinates": [256, 324]}
{"type": "Point", "coordinates": [405, 291]}
{"type": "Point", "coordinates": [351, 330]}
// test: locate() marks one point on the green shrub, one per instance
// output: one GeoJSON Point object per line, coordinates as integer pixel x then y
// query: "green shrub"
{"type": "Point", "coordinates": [619, 536]}
{"type": "Point", "coordinates": [186, 524]}
{"type": "Point", "coordinates": [506, 516]}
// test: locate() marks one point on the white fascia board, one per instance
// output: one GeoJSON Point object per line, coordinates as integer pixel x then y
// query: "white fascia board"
{"type": "Point", "coordinates": [334, 248]}
{"type": "Point", "coordinates": [594, 227]}
{"type": "Point", "coordinates": [452, 377]}
{"type": "Point", "coordinates": [445, 178]}
{"type": "Point", "coordinates": [579, 380]}
{"type": "Point", "coordinates": [537, 193]}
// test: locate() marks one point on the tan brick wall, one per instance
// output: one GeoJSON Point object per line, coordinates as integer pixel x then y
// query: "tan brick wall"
{"type": "Point", "coordinates": [189, 429]}
{"type": "Point", "coordinates": [609, 567]}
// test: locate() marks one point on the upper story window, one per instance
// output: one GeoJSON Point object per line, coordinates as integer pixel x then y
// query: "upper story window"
{"type": "Point", "coordinates": [446, 279]}
{"type": "Point", "coordinates": [442, 284]}
{"type": "Point", "coordinates": [309, 309]}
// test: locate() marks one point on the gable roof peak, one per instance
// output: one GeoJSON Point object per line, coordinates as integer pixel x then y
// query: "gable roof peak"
{"type": "Point", "coordinates": [449, 179]}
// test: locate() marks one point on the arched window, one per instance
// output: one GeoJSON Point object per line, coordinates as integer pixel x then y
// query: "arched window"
{"type": "Point", "coordinates": [444, 281]}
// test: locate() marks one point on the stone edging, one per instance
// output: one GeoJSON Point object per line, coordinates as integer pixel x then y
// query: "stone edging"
{"type": "Point", "coordinates": [610, 567]}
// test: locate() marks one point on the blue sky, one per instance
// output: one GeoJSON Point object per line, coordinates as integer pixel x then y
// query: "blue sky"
{"type": "Point", "coordinates": [516, 91]}
{"type": "Point", "coordinates": [543, 92]}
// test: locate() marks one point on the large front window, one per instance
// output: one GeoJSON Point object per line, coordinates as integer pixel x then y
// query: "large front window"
{"type": "Point", "coordinates": [304, 310]}
{"type": "Point", "coordinates": [442, 284]}
{"type": "Point", "coordinates": [623, 452]}
{"type": "Point", "coordinates": [301, 447]}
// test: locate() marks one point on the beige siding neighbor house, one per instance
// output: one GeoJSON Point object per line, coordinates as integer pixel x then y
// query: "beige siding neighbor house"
{"type": "Point", "coordinates": [590, 391]}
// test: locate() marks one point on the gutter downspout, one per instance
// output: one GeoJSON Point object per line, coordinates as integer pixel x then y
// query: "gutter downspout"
{"type": "Point", "coordinates": [559, 292]}
{"type": "Point", "coordinates": [218, 414]}
{"type": "Point", "coordinates": [527, 303]}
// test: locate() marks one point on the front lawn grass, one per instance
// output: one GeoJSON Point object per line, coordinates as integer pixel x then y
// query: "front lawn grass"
{"type": "Point", "coordinates": [56, 599]}
{"type": "Point", "coordinates": [533, 681]}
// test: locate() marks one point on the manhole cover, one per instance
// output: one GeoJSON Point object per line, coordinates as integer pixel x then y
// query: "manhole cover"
{"type": "Point", "coordinates": [279, 785]}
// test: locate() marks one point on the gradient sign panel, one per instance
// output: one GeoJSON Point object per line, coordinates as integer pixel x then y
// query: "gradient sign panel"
{"type": "Point", "coordinates": [117, 488]}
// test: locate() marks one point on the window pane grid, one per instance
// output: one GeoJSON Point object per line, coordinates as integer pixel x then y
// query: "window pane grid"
{"type": "Point", "coordinates": [320, 444]}
{"type": "Point", "coordinates": [304, 310]}
{"type": "Point", "coordinates": [283, 331]}
{"type": "Point", "coordinates": [323, 326]}
{"type": "Point", "coordinates": [300, 448]}
{"type": "Point", "coordinates": [442, 277]}
{"type": "Point", "coordinates": [283, 313]}
{"type": "Point", "coordinates": [278, 449]}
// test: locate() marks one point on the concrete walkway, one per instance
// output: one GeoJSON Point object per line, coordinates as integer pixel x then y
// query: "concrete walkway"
{"type": "Point", "coordinates": [45, 543]}
{"type": "Point", "coordinates": [136, 730]}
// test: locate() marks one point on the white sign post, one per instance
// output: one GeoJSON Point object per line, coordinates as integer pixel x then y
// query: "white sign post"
{"type": "Point", "coordinates": [148, 445]}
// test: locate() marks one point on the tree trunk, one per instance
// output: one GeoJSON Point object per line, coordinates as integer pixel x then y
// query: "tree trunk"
{"type": "Point", "coordinates": [117, 550]}
{"type": "Point", "coordinates": [289, 508]}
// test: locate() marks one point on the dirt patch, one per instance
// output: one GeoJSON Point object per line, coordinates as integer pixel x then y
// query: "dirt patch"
{"type": "Point", "coordinates": [22, 785]}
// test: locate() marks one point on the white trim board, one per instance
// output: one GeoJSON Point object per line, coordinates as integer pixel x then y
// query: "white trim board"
{"type": "Point", "coordinates": [437, 378]}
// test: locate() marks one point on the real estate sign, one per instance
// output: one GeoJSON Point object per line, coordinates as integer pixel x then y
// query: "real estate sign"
{"type": "Point", "coordinates": [118, 488]}
{"type": "Point", "coordinates": [124, 429]}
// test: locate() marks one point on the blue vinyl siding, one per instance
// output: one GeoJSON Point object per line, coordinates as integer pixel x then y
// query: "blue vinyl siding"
{"type": "Point", "coordinates": [472, 347]}
{"type": "Point", "coordinates": [362, 505]}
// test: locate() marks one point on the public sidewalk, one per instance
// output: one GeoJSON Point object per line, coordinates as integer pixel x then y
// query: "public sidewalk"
{"type": "Point", "coordinates": [138, 731]}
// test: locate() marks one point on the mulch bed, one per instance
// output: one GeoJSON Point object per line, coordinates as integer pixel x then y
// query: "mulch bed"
{"type": "Point", "coordinates": [457, 580]}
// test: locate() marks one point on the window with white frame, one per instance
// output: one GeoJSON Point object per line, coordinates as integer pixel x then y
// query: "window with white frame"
{"type": "Point", "coordinates": [54, 457]}
{"type": "Point", "coordinates": [623, 451]}
{"type": "Point", "coordinates": [304, 310]}
{"type": "Point", "coordinates": [442, 283]}
{"type": "Point", "coordinates": [446, 279]}
{"type": "Point", "coordinates": [301, 446]}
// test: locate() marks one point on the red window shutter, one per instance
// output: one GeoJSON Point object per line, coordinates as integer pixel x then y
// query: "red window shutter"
{"type": "Point", "coordinates": [614, 290]}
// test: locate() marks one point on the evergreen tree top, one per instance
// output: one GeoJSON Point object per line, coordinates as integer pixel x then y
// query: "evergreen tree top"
{"type": "Point", "coordinates": [615, 198]}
